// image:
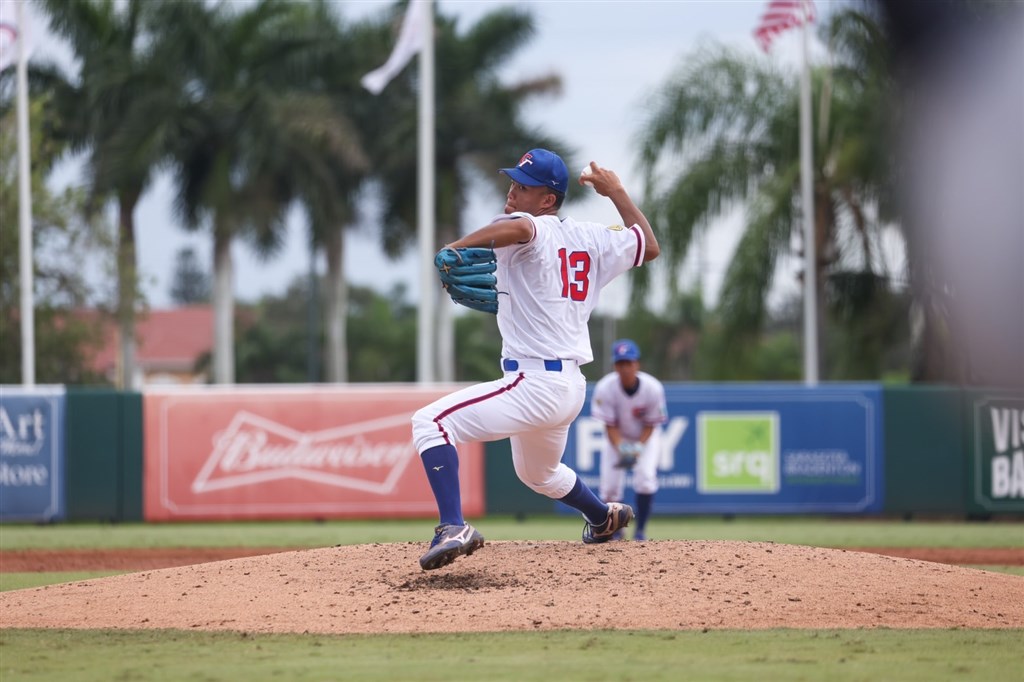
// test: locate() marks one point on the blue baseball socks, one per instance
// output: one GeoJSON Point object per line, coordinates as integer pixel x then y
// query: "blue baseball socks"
{"type": "Point", "coordinates": [643, 511]}
{"type": "Point", "coordinates": [583, 498]}
{"type": "Point", "coordinates": [442, 466]}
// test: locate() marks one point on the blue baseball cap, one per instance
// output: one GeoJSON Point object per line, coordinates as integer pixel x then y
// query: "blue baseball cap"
{"type": "Point", "coordinates": [624, 349]}
{"type": "Point", "coordinates": [540, 168]}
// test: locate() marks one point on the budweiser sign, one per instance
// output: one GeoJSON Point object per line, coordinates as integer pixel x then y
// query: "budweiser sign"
{"type": "Point", "coordinates": [287, 453]}
{"type": "Point", "coordinates": [255, 450]}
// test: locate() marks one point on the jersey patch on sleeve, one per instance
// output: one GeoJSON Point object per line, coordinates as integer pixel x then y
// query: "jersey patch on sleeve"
{"type": "Point", "coordinates": [616, 228]}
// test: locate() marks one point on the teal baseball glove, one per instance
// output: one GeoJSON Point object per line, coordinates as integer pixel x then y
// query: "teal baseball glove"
{"type": "Point", "coordinates": [468, 277]}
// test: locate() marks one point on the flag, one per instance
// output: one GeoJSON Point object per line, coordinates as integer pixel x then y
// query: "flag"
{"type": "Point", "coordinates": [8, 44]}
{"type": "Point", "coordinates": [410, 41]}
{"type": "Point", "coordinates": [417, 36]}
{"type": "Point", "coordinates": [780, 16]}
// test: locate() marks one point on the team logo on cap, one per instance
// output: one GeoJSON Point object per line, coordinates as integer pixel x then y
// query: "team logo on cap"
{"type": "Point", "coordinates": [527, 159]}
{"type": "Point", "coordinates": [622, 349]}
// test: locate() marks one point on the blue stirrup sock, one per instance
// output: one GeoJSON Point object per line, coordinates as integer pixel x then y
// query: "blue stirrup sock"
{"type": "Point", "coordinates": [583, 498]}
{"type": "Point", "coordinates": [442, 466]}
{"type": "Point", "coordinates": [643, 510]}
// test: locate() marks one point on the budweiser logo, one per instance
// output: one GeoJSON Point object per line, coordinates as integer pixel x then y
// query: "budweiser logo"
{"type": "Point", "coordinates": [368, 456]}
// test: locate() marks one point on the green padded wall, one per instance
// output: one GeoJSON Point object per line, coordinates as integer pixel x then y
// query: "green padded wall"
{"type": "Point", "coordinates": [924, 450]}
{"type": "Point", "coordinates": [103, 455]}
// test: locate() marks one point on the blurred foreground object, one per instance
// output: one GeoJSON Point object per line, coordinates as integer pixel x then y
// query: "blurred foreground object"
{"type": "Point", "coordinates": [962, 126]}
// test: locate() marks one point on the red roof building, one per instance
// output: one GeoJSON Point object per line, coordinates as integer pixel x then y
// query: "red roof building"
{"type": "Point", "coordinates": [169, 345]}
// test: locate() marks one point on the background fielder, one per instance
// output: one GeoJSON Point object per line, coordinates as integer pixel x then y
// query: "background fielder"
{"type": "Point", "coordinates": [632, 406]}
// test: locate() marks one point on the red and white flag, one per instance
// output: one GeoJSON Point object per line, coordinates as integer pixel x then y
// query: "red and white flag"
{"type": "Point", "coordinates": [780, 16]}
{"type": "Point", "coordinates": [8, 44]}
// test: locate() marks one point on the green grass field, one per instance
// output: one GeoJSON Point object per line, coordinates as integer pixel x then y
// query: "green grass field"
{"type": "Point", "coordinates": [819, 532]}
{"type": "Point", "coordinates": [765, 655]}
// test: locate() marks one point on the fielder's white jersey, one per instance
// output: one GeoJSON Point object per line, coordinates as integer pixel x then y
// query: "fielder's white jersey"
{"type": "Point", "coordinates": [549, 286]}
{"type": "Point", "coordinates": [629, 413]}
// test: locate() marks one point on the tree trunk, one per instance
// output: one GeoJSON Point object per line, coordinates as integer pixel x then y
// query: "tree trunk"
{"type": "Point", "coordinates": [824, 221]}
{"type": "Point", "coordinates": [127, 290]}
{"type": "Point", "coordinates": [336, 309]}
{"type": "Point", "coordinates": [223, 308]}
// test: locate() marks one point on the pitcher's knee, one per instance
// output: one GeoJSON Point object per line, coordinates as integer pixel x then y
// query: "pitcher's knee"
{"type": "Point", "coordinates": [546, 488]}
{"type": "Point", "coordinates": [427, 433]}
{"type": "Point", "coordinates": [555, 485]}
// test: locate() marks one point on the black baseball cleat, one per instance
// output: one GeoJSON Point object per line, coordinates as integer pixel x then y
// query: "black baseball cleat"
{"type": "Point", "coordinates": [449, 543]}
{"type": "Point", "coordinates": [619, 516]}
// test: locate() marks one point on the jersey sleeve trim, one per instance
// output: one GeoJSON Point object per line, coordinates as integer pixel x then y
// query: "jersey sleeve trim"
{"type": "Point", "coordinates": [641, 245]}
{"type": "Point", "coordinates": [519, 214]}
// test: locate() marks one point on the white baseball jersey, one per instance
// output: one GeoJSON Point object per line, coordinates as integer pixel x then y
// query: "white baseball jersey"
{"type": "Point", "coordinates": [547, 287]}
{"type": "Point", "coordinates": [630, 414]}
{"type": "Point", "coordinates": [543, 309]}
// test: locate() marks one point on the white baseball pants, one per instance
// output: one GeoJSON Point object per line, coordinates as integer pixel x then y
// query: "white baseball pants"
{"type": "Point", "coordinates": [532, 407]}
{"type": "Point", "coordinates": [645, 473]}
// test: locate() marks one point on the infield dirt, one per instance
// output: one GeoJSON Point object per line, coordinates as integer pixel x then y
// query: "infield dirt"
{"type": "Point", "coordinates": [533, 585]}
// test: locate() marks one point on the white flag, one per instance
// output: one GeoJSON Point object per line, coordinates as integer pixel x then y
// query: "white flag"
{"type": "Point", "coordinates": [410, 41]}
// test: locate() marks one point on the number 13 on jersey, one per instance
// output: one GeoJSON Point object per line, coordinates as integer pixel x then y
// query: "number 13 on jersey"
{"type": "Point", "coordinates": [575, 274]}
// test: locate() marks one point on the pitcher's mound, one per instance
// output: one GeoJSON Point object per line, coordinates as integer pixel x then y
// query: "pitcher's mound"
{"type": "Point", "coordinates": [535, 585]}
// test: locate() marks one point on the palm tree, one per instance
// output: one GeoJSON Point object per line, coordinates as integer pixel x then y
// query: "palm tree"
{"type": "Point", "coordinates": [479, 128]}
{"type": "Point", "coordinates": [327, 158]}
{"type": "Point", "coordinates": [728, 121]}
{"type": "Point", "coordinates": [118, 81]}
{"type": "Point", "coordinates": [253, 135]}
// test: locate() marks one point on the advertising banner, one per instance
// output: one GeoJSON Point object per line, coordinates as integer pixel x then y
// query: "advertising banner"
{"type": "Point", "coordinates": [292, 452]}
{"type": "Point", "coordinates": [758, 450]}
{"type": "Point", "coordinates": [996, 452]}
{"type": "Point", "coordinates": [32, 453]}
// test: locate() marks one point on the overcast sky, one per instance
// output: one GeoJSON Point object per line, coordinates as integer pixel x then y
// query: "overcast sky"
{"type": "Point", "coordinates": [611, 55]}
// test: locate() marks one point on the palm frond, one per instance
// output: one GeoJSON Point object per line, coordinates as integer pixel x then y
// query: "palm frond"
{"type": "Point", "coordinates": [496, 36]}
{"type": "Point", "coordinates": [749, 276]}
{"type": "Point", "coordinates": [720, 94]}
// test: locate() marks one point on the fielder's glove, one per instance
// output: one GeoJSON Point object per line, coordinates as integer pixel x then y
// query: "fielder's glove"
{"type": "Point", "coordinates": [468, 277]}
{"type": "Point", "coordinates": [629, 452]}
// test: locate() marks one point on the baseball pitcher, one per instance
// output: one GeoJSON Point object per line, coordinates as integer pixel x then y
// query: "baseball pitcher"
{"type": "Point", "coordinates": [541, 275]}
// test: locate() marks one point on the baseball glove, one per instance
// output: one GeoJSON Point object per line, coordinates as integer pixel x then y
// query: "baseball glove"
{"type": "Point", "coordinates": [629, 452]}
{"type": "Point", "coordinates": [468, 277]}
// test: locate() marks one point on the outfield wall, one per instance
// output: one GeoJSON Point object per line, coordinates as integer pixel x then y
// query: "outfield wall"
{"type": "Point", "coordinates": [758, 449]}
{"type": "Point", "coordinates": [258, 452]}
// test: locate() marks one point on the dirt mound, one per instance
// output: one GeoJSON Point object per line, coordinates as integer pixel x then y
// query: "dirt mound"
{"type": "Point", "coordinates": [148, 558]}
{"type": "Point", "coordinates": [535, 585]}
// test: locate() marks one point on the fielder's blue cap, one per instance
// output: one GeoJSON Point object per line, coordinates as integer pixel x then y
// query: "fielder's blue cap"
{"type": "Point", "coordinates": [540, 168]}
{"type": "Point", "coordinates": [625, 349]}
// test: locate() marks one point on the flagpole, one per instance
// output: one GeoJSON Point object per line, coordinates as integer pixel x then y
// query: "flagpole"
{"type": "Point", "coordinates": [28, 341]}
{"type": "Point", "coordinates": [425, 357]}
{"type": "Point", "coordinates": [807, 200]}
